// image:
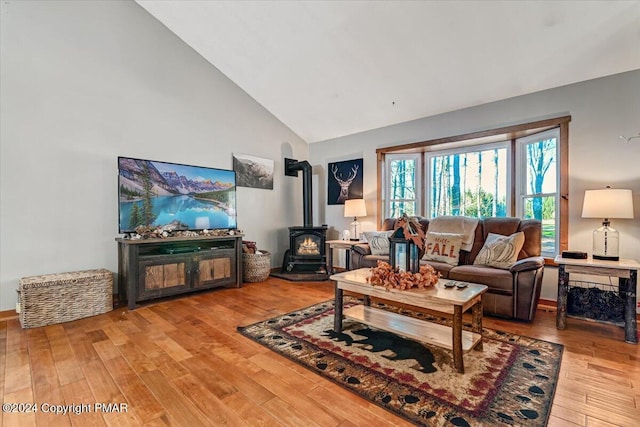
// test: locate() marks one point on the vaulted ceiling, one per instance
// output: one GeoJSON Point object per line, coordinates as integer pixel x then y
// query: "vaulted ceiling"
{"type": "Point", "coordinates": [332, 68]}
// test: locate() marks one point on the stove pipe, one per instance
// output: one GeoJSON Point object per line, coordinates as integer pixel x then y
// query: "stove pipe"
{"type": "Point", "coordinates": [291, 168]}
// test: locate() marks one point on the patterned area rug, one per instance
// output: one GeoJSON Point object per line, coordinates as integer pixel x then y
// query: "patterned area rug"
{"type": "Point", "coordinates": [510, 382]}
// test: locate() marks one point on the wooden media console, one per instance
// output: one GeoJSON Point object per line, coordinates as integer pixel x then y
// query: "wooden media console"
{"type": "Point", "coordinates": [155, 268]}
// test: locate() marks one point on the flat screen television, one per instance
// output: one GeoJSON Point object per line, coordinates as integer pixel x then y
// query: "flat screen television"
{"type": "Point", "coordinates": [174, 196]}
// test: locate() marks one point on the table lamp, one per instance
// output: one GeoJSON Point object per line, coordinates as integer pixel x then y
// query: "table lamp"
{"type": "Point", "coordinates": [355, 208]}
{"type": "Point", "coordinates": [607, 203]}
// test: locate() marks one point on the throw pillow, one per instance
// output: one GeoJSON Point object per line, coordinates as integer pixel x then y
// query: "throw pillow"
{"type": "Point", "coordinates": [500, 251]}
{"type": "Point", "coordinates": [378, 241]}
{"type": "Point", "coordinates": [444, 247]}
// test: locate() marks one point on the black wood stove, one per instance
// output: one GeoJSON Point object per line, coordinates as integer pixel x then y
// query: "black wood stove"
{"type": "Point", "coordinates": [307, 252]}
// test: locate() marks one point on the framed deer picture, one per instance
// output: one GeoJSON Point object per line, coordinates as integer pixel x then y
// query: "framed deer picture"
{"type": "Point", "coordinates": [344, 181]}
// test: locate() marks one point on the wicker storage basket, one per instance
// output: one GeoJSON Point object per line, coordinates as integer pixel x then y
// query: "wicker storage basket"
{"type": "Point", "coordinates": [256, 267]}
{"type": "Point", "coordinates": [57, 298]}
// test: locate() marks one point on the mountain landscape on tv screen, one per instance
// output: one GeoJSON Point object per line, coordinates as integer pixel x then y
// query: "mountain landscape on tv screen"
{"type": "Point", "coordinates": [188, 197]}
{"type": "Point", "coordinates": [165, 183]}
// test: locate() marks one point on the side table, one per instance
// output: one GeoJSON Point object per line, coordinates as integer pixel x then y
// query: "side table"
{"type": "Point", "coordinates": [338, 244]}
{"type": "Point", "coordinates": [626, 270]}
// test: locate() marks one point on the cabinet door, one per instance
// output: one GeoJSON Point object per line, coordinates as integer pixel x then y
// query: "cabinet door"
{"type": "Point", "coordinates": [216, 268]}
{"type": "Point", "coordinates": [165, 275]}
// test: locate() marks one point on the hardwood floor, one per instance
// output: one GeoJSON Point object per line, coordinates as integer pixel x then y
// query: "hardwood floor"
{"type": "Point", "coordinates": [181, 362]}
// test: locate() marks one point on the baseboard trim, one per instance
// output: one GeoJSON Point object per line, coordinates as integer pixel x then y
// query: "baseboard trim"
{"type": "Point", "coordinates": [8, 315]}
{"type": "Point", "coordinates": [547, 305]}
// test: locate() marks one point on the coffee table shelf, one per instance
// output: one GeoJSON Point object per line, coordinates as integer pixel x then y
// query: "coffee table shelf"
{"type": "Point", "coordinates": [444, 300]}
{"type": "Point", "coordinates": [408, 327]}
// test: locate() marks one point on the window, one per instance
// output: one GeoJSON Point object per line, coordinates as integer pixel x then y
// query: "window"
{"type": "Point", "coordinates": [473, 181]}
{"type": "Point", "coordinates": [518, 170]}
{"type": "Point", "coordinates": [537, 184]}
{"type": "Point", "coordinates": [402, 192]}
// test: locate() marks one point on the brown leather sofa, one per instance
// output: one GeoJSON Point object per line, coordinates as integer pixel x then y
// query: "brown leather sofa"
{"type": "Point", "coordinates": [512, 293]}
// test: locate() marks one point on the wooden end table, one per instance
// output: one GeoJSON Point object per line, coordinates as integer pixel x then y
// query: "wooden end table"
{"type": "Point", "coordinates": [338, 244]}
{"type": "Point", "coordinates": [448, 302]}
{"type": "Point", "coordinates": [626, 270]}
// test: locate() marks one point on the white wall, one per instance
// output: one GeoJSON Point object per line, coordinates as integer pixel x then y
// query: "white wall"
{"type": "Point", "coordinates": [85, 81]}
{"type": "Point", "coordinates": [601, 110]}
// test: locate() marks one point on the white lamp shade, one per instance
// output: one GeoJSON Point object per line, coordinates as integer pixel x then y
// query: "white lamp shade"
{"type": "Point", "coordinates": [355, 208]}
{"type": "Point", "coordinates": [607, 203]}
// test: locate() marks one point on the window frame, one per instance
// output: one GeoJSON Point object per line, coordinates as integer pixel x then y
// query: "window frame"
{"type": "Point", "coordinates": [511, 132]}
{"type": "Point", "coordinates": [418, 179]}
{"type": "Point", "coordinates": [521, 192]}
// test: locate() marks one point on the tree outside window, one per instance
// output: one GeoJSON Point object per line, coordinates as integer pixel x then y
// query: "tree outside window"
{"type": "Point", "coordinates": [402, 175]}
{"type": "Point", "coordinates": [471, 183]}
{"type": "Point", "coordinates": [540, 188]}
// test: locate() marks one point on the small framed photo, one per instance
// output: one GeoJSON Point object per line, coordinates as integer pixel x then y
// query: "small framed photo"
{"type": "Point", "coordinates": [253, 172]}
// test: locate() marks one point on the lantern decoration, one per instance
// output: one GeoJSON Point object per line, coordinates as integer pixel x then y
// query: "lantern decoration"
{"type": "Point", "coordinates": [406, 245]}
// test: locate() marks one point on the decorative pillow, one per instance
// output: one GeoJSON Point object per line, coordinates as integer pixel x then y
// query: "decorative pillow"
{"type": "Point", "coordinates": [444, 247]}
{"type": "Point", "coordinates": [500, 251]}
{"type": "Point", "coordinates": [378, 241]}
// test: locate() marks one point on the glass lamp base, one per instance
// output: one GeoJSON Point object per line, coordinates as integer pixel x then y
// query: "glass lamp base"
{"type": "Point", "coordinates": [606, 243]}
{"type": "Point", "coordinates": [355, 230]}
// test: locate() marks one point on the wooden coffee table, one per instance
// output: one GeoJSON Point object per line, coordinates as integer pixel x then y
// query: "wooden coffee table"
{"type": "Point", "coordinates": [444, 301]}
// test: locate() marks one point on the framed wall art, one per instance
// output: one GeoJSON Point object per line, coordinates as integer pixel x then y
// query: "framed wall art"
{"type": "Point", "coordinates": [253, 172]}
{"type": "Point", "coordinates": [344, 181]}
